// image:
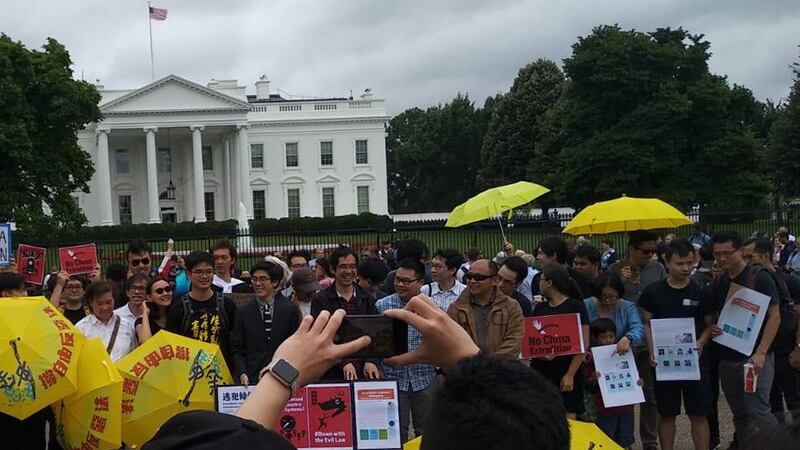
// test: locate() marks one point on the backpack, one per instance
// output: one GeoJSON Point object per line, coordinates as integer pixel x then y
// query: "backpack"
{"type": "Point", "coordinates": [788, 325]}
{"type": "Point", "coordinates": [188, 311]}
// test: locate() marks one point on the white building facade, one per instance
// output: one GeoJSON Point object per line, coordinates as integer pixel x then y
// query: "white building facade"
{"type": "Point", "coordinates": [177, 151]}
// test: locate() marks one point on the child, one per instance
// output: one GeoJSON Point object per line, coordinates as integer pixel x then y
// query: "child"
{"type": "Point", "coordinates": [616, 422]}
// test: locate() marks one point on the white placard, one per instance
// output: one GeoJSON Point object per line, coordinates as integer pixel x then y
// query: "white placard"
{"type": "Point", "coordinates": [377, 415]}
{"type": "Point", "coordinates": [675, 349]}
{"type": "Point", "coordinates": [230, 397]}
{"type": "Point", "coordinates": [618, 378]}
{"type": "Point", "coordinates": [5, 245]}
{"type": "Point", "coordinates": [741, 319]}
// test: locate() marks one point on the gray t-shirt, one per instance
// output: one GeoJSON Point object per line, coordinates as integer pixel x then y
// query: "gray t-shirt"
{"type": "Point", "coordinates": [481, 316]}
{"type": "Point", "coordinates": [651, 272]}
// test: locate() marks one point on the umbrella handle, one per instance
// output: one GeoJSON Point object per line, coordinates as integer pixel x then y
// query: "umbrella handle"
{"type": "Point", "coordinates": [502, 233]}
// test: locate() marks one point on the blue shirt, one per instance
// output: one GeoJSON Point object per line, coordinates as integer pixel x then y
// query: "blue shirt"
{"type": "Point", "coordinates": [442, 299]}
{"type": "Point", "coordinates": [413, 377]}
{"type": "Point", "coordinates": [626, 318]}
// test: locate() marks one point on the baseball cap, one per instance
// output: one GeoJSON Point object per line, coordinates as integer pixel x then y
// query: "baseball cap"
{"type": "Point", "coordinates": [304, 280]}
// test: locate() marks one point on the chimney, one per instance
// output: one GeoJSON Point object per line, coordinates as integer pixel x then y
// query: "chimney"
{"type": "Point", "coordinates": [262, 88]}
{"type": "Point", "coordinates": [367, 95]}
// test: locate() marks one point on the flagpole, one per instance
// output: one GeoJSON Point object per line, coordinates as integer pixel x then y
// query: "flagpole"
{"type": "Point", "coordinates": [150, 25]}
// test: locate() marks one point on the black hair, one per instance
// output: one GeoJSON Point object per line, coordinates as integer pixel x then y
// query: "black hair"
{"type": "Point", "coordinates": [589, 252]}
{"type": "Point", "coordinates": [298, 253]}
{"type": "Point", "coordinates": [412, 264]}
{"type": "Point", "coordinates": [775, 437]}
{"type": "Point", "coordinates": [326, 265]}
{"type": "Point", "coordinates": [516, 407]}
{"type": "Point", "coordinates": [638, 237]}
{"type": "Point", "coordinates": [706, 252]}
{"type": "Point", "coordinates": [224, 244]}
{"type": "Point", "coordinates": [610, 280]}
{"type": "Point", "coordinates": [149, 289]}
{"type": "Point", "coordinates": [137, 247]}
{"type": "Point", "coordinates": [412, 248]}
{"type": "Point", "coordinates": [600, 326]}
{"type": "Point", "coordinates": [116, 272]}
{"type": "Point", "coordinates": [678, 247]}
{"type": "Point", "coordinates": [197, 257]}
{"type": "Point", "coordinates": [518, 266]}
{"type": "Point", "coordinates": [372, 269]}
{"type": "Point", "coordinates": [473, 253]}
{"type": "Point", "coordinates": [274, 271]}
{"type": "Point", "coordinates": [721, 237]}
{"type": "Point", "coordinates": [10, 281]}
{"type": "Point", "coordinates": [95, 290]}
{"type": "Point", "coordinates": [562, 281]}
{"type": "Point", "coordinates": [609, 242]}
{"type": "Point", "coordinates": [452, 258]}
{"type": "Point", "coordinates": [762, 246]}
{"type": "Point", "coordinates": [136, 277]}
{"type": "Point", "coordinates": [340, 253]}
{"type": "Point", "coordinates": [555, 246]}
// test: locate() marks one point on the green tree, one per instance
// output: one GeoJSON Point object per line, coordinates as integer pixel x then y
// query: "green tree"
{"type": "Point", "coordinates": [515, 127]}
{"type": "Point", "coordinates": [41, 109]}
{"type": "Point", "coordinates": [784, 142]}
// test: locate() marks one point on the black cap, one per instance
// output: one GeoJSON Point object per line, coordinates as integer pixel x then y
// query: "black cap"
{"type": "Point", "coordinates": [199, 430]}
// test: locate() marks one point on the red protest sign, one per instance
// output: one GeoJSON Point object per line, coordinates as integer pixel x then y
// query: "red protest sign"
{"type": "Point", "coordinates": [30, 263]}
{"type": "Point", "coordinates": [559, 334]}
{"type": "Point", "coordinates": [79, 259]}
{"type": "Point", "coordinates": [330, 416]}
{"type": "Point", "coordinates": [293, 423]}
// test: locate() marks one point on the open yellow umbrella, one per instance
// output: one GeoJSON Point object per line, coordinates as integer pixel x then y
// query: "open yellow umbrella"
{"type": "Point", "coordinates": [413, 444]}
{"type": "Point", "coordinates": [92, 416]}
{"type": "Point", "coordinates": [626, 214]}
{"type": "Point", "coordinates": [165, 376]}
{"type": "Point", "coordinates": [39, 351]}
{"type": "Point", "coordinates": [584, 435]}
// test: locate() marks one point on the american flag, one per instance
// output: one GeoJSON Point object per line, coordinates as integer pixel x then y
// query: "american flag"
{"type": "Point", "coordinates": [158, 13]}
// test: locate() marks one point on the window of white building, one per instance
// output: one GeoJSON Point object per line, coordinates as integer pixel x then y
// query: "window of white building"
{"type": "Point", "coordinates": [208, 158]}
{"type": "Point", "coordinates": [362, 199]}
{"type": "Point", "coordinates": [209, 202]}
{"type": "Point", "coordinates": [293, 203]}
{"type": "Point", "coordinates": [257, 156]}
{"type": "Point", "coordinates": [259, 204]}
{"type": "Point", "coordinates": [326, 153]}
{"type": "Point", "coordinates": [328, 202]}
{"type": "Point", "coordinates": [125, 212]}
{"type": "Point", "coordinates": [292, 156]}
{"type": "Point", "coordinates": [123, 161]}
{"type": "Point", "coordinates": [361, 152]}
{"type": "Point", "coordinates": [164, 160]}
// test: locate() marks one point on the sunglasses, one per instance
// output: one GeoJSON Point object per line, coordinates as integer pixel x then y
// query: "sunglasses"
{"type": "Point", "coordinates": [140, 262]}
{"type": "Point", "coordinates": [160, 291]}
{"type": "Point", "coordinates": [478, 276]}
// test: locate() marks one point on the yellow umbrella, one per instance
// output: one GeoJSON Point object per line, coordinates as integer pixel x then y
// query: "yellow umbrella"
{"type": "Point", "coordinates": [585, 435]}
{"type": "Point", "coordinates": [626, 214]}
{"type": "Point", "coordinates": [165, 376]}
{"type": "Point", "coordinates": [39, 350]}
{"type": "Point", "coordinates": [413, 444]}
{"type": "Point", "coordinates": [92, 416]}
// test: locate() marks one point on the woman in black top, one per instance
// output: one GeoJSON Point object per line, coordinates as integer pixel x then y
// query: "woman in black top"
{"type": "Point", "coordinates": [154, 317]}
{"type": "Point", "coordinates": [566, 372]}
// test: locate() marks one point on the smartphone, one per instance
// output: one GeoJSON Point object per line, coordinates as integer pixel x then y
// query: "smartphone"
{"type": "Point", "coordinates": [389, 336]}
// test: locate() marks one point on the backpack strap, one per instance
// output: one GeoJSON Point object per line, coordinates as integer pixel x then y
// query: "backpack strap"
{"type": "Point", "coordinates": [221, 310]}
{"type": "Point", "coordinates": [187, 313]}
{"type": "Point", "coordinates": [114, 333]}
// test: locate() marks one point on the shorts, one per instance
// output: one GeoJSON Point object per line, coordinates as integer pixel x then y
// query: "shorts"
{"type": "Point", "coordinates": [696, 397]}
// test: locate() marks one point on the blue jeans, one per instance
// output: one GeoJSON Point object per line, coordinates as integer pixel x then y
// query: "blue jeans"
{"type": "Point", "coordinates": [618, 427]}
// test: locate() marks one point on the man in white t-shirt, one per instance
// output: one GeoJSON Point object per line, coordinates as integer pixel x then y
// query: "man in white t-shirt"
{"type": "Point", "coordinates": [224, 254]}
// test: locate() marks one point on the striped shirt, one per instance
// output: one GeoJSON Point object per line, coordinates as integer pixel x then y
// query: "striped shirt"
{"type": "Point", "coordinates": [443, 299]}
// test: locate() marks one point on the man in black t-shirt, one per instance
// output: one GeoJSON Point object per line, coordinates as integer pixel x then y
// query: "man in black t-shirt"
{"type": "Point", "coordinates": [203, 314]}
{"type": "Point", "coordinates": [751, 411]}
{"type": "Point", "coordinates": [678, 296]}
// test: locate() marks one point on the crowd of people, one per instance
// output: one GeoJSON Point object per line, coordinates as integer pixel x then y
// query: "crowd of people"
{"type": "Point", "coordinates": [466, 314]}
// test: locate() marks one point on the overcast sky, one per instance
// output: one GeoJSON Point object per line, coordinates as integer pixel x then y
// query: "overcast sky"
{"type": "Point", "coordinates": [410, 52]}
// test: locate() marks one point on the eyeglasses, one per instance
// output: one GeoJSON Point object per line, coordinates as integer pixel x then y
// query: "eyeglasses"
{"type": "Point", "coordinates": [74, 287]}
{"type": "Point", "coordinates": [725, 254]}
{"type": "Point", "coordinates": [405, 280]}
{"type": "Point", "coordinates": [140, 262]}
{"type": "Point", "coordinates": [347, 266]}
{"type": "Point", "coordinates": [137, 288]}
{"type": "Point", "coordinates": [298, 266]}
{"type": "Point", "coordinates": [260, 280]}
{"type": "Point", "coordinates": [478, 276]}
{"type": "Point", "coordinates": [646, 251]}
{"type": "Point", "coordinates": [160, 291]}
{"type": "Point", "coordinates": [203, 273]}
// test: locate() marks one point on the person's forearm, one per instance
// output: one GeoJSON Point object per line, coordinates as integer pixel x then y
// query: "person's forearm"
{"type": "Point", "coordinates": [575, 364]}
{"type": "Point", "coordinates": [143, 331]}
{"type": "Point", "coordinates": [265, 405]}
{"type": "Point", "coordinates": [648, 334]}
{"type": "Point", "coordinates": [55, 297]}
{"type": "Point", "coordinates": [770, 329]}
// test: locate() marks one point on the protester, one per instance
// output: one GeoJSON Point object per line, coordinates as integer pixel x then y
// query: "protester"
{"type": "Point", "coordinates": [68, 295]}
{"type": "Point", "coordinates": [262, 324]}
{"type": "Point", "coordinates": [225, 258]}
{"type": "Point", "coordinates": [12, 285]}
{"type": "Point", "coordinates": [492, 319]}
{"type": "Point", "coordinates": [610, 256]}
{"type": "Point", "coordinates": [202, 313]}
{"type": "Point", "coordinates": [345, 294]}
{"type": "Point", "coordinates": [138, 257]}
{"type": "Point", "coordinates": [703, 270]}
{"type": "Point", "coordinates": [116, 274]}
{"type": "Point", "coordinates": [565, 372]}
{"type": "Point", "coordinates": [607, 303]}
{"type": "Point", "coordinates": [786, 249]}
{"type": "Point", "coordinates": [553, 251]}
{"type": "Point", "coordinates": [385, 250]}
{"type": "Point", "coordinates": [445, 288]}
{"type": "Point", "coordinates": [116, 332]}
{"type": "Point", "coordinates": [750, 411]}
{"type": "Point", "coordinates": [586, 262]}
{"type": "Point", "coordinates": [509, 277]}
{"type": "Point", "coordinates": [675, 297]}
{"type": "Point", "coordinates": [319, 253]}
{"type": "Point", "coordinates": [416, 382]}
{"type": "Point", "coordinates": [136, 291]}
{"type": "Point", "coordinates": [371, 275]}
{"type": "Point", "coordinates": [323, 273]}
{"type": "Point", "coordinates": [154, 309]}
{"type": "Point", "coordinates": [297, 259]}
{"type": "Point", "coordinates": [407, 248]}
{"type": "Point", "coordinates": [304, 284]}
{"type": "Point", "coordinates": [698, 236]}
{"type": "Point", "coordinates": [472, 255]}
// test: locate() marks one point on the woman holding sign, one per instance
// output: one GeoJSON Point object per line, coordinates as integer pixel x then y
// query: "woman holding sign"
{"type": "Point", "coordinates": [566, 371]}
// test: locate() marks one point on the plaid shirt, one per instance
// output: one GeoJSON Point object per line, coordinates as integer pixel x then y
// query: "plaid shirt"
{"type": "Point", "coordinates": [414, 377]}
{"type": "Point", "coordinates": [443, 299]}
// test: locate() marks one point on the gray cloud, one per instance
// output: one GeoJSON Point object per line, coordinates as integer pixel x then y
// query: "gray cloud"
{"type": "Point", "coordinates": [411, 52]}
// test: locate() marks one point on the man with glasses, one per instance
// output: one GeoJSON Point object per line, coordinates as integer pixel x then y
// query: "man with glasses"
{"type": "Point", "coordinates": [345, 294]}
{"type": "Point", "coordinates": [68, 296]}
{"type": "Point", "coordinates": [510, 276]}
{"type": "Point", "coordinates": [492, 319]}
{"type": "Point", "coordinates": [138, 256]}
{"type": "Point", "coordinates": [202, 313]}
{"type": "Point", "coordinates": [135, 289]}
{"type": "Point", "coordinates": [445, 289]}
{"type": "Point", "coordinates": [297, 259]}
{"type": "Point", "coordinates": [416, 382]}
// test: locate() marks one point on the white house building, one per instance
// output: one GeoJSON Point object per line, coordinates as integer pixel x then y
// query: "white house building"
{"type": "Point", "coordinates": [175, 151]}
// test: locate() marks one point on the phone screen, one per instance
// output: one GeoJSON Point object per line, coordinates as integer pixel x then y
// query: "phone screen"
{"type": "Point", "coordinates": [389, 336]}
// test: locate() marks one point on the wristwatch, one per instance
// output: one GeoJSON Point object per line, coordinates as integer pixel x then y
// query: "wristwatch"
{"type": "Point", "coordinates": [284, 373]}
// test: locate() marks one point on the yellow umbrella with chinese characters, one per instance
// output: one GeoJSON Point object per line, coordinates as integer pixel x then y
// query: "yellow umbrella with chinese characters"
{"type": "Point", "coordinates": [92, 416]}
{"type": "Point", "coordinates": [165, 376]}
{"type": "Point", "coordinates": [39, 350]}
{"type": "Point", "coordinates": [584, 435]}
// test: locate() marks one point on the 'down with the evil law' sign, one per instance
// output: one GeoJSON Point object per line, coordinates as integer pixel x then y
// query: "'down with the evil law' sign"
{"type": "Point", "coordinates": [556, 335]}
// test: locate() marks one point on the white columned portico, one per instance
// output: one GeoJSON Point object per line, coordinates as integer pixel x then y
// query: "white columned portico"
{"type": "Point", "coordinates": [245, 195]}
{"type": "Point", "coordinates": [154, 212]}
{"type": "Point", "coordinates": [104, 177]}
{"type": "Point", "coordinates": [226, 175]}
{"type": "Point", "coordinates": [197, 172]}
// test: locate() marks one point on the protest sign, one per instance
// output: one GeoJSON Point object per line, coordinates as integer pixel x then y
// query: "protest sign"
{"type": "Point", "coordinates": [556, 335]}
{"type": "Point", "coordinates": [79, 259]}
{"type": "Point", "coordinates": [30, 263]}
{"type": "Point", "coordinates": [5, 244]}
{"type": "Point", "coordinates": [228, 398]}
{"type": "Point", "coordinates": [675, 349]}
{"type": "Point", "coordinates": [330, 416]}
{"type": "Point", "coordinates": [293, 423]}
{"type": "Point", "coordinates": [741, 319]}
{"type": "Point", "coordinates": [618, 377]}
{"type": "Point", "coordinates": [377, 414]}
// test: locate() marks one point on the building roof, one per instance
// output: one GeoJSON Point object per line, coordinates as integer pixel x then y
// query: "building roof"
{"type": "Point", "coordinates": [276, 98]}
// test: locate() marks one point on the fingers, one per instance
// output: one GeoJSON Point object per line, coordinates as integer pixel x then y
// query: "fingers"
{"type": "Point", "coordinates": [333, 324]}
{"type": "Point", "coordinates": [413, 357]}
{"type": "Point", "coordinates": [305, 324]}
{"type": "Point", "coordinates": [348, 348]}
{"type": "Point", "coordinates": [320, 322]}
